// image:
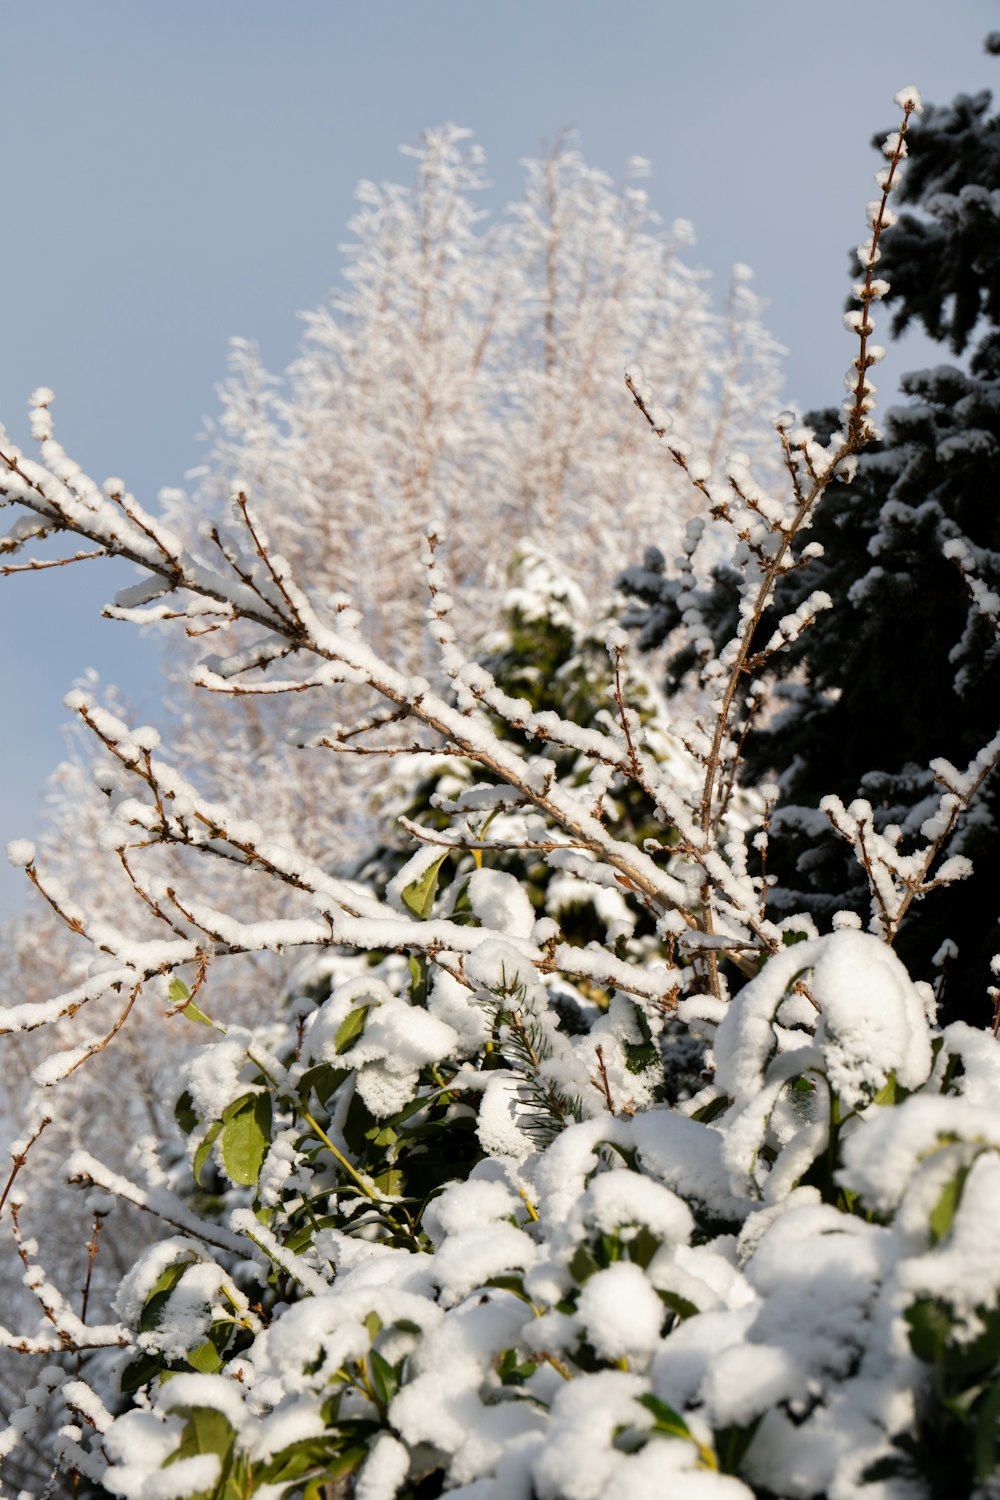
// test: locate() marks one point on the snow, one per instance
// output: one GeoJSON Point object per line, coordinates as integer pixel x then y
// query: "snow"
{"type": "Point", "coordinates": [908, 98]}
{"type": "Point", "coordinates": [384, 1470]}
{"type": "Point", "coordinates": [501, 903]}
{"type": "Point", "coordinates": [748, 1255]}
{"type": "Point", "coordinates": [397, 1041]}
{"type": "Point", "coordinates": [620, 1312]}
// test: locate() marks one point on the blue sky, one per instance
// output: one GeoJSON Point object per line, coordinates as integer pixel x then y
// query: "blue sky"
{"type": "Point", "coordinates": [178, 173]}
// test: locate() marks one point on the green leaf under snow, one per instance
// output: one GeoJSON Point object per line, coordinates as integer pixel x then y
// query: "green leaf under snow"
{"type": "Point", "coordinates": [351, 1028]}
{"type": "Point", "coordinates": [204, 1150]}
{"type": "Point", "coordinates": [159, 1296]}
{"type": "Point", "coordinates": [419, 894]}
{"type": "Point", "coordinates": [667, 1421]}
{"type": "Point", "coordinates": [246, 1137]}
{"type": "Point", "coordinates": [946, 1207]}
{"type": "Point", "coordinates": [205, 1431]}
{"type": "Point", "coordinates": [184, 1113]}
{"type": "Point", "coordinates": [139, 1372]}
{"type": "Point", "coordinates": [384, 1377]}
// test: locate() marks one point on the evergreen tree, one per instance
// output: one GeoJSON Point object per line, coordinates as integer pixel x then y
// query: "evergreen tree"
{"type": "Point", "coordinates": [904, 668]}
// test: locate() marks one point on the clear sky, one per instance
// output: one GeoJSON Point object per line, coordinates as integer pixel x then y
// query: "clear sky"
{"type": "Point", "coordinates": [174, 174]}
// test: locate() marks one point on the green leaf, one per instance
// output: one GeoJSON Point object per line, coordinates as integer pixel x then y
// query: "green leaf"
{"type": "Point", "coordinates": [731, 1444]}
{"type": "Point", "coordinates": [668, 1421]}
{"type": "Point", "coordinates": [139, 1372]}
{"type": "Point", "coordinates": [946, 1207]}
{"type": "Point", "coordinates": [246, 1137]}
{"type": "Point", "coordinates": [418, 981]}
{"type": "Point", "coordinates": [645, 1053]}
{"type": "Point", "coordinates": [677, 1304]}
{"type": "Point", "coordinates": [789, 939]}
{"type": "Point", "coordinates": [419, 894]}
{"type": "Point", "coordinates": [210, 1356]}
{"type": "Point", "coordinates": [930, 1329]}
{"type": "Point", "coordinates": [319, 1487]}
{"type": "Point", "coordinates": [206, 1359]}
{"type": "Point", "coordinates": [583, 1265]}
{"type": "Point", "coordinates": [712, 1109]}
{"type": "Point", "coordinates": [384, 1377]}
{"type": "Point", "coordinates": [177, 990]}
{"type": "Point", "coordinates": [192, 1013]}
{"type": "Point", "coordinates": [323, 1080]}
{"type": "Point", "coordinates": [205, 1431]}
{"type": "Point", "coordinates": [391, 1182]}
{"type": "Point", "coordinates": [984, 1436]}
{"type": "Point", "coordinates": [888, 1093]}
{"type": "Point", "coordinates": [642, 1246]}
{"type": "Point", "coordinates": [513, 1373]}
{"type": "Point", "coordinates": [184, 1113]}
{"type": "Point", "coordinates": [204, 1150]}
{"type": "Point", "coordinates": [160, 1295]}
{"type": "Point", "coordinates": [351, 1028]}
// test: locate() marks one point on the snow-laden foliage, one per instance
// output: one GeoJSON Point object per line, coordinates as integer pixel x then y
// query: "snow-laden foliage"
{"type": "Point", "coordinates": [902, 673]}
{"type": "Point", "coordinates": [502, 1194]}
{"type": "Point", "coordinates": [465, 375]}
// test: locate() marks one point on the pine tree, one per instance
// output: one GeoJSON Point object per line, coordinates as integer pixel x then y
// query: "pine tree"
{"type": "Point", "coordinates": [904, 668]}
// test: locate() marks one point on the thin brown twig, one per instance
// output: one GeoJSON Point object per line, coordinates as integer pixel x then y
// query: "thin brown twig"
{"type": "Point", "coordinates": [21, 1158]}
{"type": "Point", "coordinates": [36, 565]}
{"type": "Point", "coordinates": [603, 1073]}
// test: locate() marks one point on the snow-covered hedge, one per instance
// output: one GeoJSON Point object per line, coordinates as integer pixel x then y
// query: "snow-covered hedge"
{"type": "Point", "coordinates": [673, 1199]}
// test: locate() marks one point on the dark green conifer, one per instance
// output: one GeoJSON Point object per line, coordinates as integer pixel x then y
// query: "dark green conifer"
{"type": "Point", "coordinates": [904, 668]}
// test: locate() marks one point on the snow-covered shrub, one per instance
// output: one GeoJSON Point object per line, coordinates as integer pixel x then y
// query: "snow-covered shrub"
{"type": "Point", "coordinates": [678, 1200]}
{"type": "Point", "coordinates": [466, 371]}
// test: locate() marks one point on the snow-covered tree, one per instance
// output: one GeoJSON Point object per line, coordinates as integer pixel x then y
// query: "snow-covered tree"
{"type": "Point", "coordinates": [904, 670]}
{"type": "Point", "coordinates": [451, 1218]}
{"type": "Point", "coordinates": [466, 375]}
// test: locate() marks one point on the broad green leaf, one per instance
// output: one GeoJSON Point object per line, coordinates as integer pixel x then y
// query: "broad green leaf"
{"type": "Point", "coordinates": [160, 1295]}
{"type": "Point", "coordinates": [645, 1053]}
{"type": "Point", "coordinates": [419, 894]}
{"type": "Point", "coordinates": [184, 1113]}
{"type": "Point", "coordinates": [391, 1182]}
{"type": "Point", "coordinates": [139, 1372]}
{"type": "Point", "coordinates": [384, 1377]}
{"type": "Point", "coordinates": [418, 981]}
{"type": "Point", "coordinates": [246, 1137]}
{"type": "Point", "coordinates": [945, 1208]}
{"type": "Point", "coordinates": [321, 1486]}
{"type": "Point", "coordinates": [668, 1421]}
{"type": "Point", "coordinates": [732, 1443]}
{"type": "Point", "coordinates": [177, 990]}
{"type": "Point", "coordinates": [204, 1150]}
{"type": "Point", "coordinates": [192, 1013]}
{"type": "Point", "coordinates": [714, 1107]}
{"type": "Point", "coordinates": [351, 1028]}
{"type": "Point", "coordinates": [294, 1461]}
{"type": "Point", "coordinates": [323, 1080]}
{"type": "Point", "coordinates": [513, 1373]}
{"type": "Point", "coordinates": [643, 1246]}
{"type": "Point", "coordinates": [984, 1437]}
{"type": "Point", "coordinates": [677, 1304]}
{"type": "Point", "coordinates": [930, 1329]}
{"type": "Point", "coordinates": [206, 1359]}
{"type": "Point", "coordinates": [888, 1093]}
{"type": "Point", "coordinates": [583, 1265]}
{"type": "Point", "coordinates": [206, 1431]}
